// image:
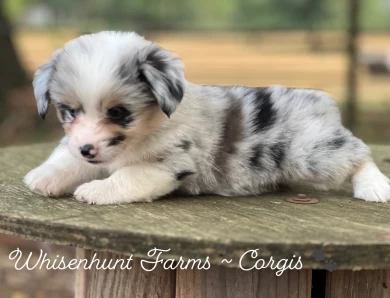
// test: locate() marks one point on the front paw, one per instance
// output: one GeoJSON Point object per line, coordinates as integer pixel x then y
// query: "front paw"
{"type": "Point", "coordinates": [47, 181]}
{"type": "Point", "coordinates": [95, 192]}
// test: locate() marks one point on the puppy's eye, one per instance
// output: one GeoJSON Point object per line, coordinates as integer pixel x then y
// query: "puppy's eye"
{"type": "Point", "coordinates": [73, 113]}
{"type": "Point", "coordinates": [119, 115]}
{"type": "Point", "coordinates": [118, 112]}
{"type": "Point", "coordinates": [68, 114]}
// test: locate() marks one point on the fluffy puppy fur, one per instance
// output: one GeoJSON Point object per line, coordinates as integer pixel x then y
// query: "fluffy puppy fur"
{"type": "Point", "coordinates": [136, 130]}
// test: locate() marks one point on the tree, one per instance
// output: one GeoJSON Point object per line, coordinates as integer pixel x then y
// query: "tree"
{"type": "Point", "coordinates": [353, 33]}
{"type": "Point", "coordinates": [12, 74]}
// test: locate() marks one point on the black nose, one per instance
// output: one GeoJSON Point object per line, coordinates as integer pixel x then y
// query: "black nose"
{"type": "Point", "coordinates": [86, 151]}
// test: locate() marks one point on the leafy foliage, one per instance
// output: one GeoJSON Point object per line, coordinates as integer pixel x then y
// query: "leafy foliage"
{"type": "Point", "coordinates": [216, 14]}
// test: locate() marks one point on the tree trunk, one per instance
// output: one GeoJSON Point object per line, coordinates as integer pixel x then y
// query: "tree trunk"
{"type": "Point", "coordinates": [314, 11]}
{"type": "Point", "coordinates": [314, 39]}
{"type": "Point", "coordinates": [352, 87]}
{"type": "Point", "coordinates": [12, 75]}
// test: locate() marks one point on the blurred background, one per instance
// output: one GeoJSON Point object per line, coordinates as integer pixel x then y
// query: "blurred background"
{"type": "Point", "coordinates": [342, 47]}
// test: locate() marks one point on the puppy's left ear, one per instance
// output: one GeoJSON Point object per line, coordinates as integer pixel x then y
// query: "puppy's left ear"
{"type": "Point", "coordinates": [41, 82]}
{"type": "Point", "coordinates": [163, 73]}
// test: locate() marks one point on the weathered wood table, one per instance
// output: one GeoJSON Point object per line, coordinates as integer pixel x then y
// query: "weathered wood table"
{"type": "Point", "coordinates": [338, 232]}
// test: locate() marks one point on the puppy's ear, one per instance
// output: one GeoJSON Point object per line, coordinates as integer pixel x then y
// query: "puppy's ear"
{"type": "Point", "coordinates": [163, 74]}
{"type": "Point", "coordinates": [41, 82]}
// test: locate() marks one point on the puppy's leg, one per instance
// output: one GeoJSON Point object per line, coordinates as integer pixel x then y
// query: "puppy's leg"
{"type": "Point", "coordinates": [131, 184]}
{"type": "Point", "coordinates": [343, 157]}
{"type": "Point", "coordinates": [324, 153]}
{"type": "Point", "coordinates": [351, 157]}
{"type": "Point", "coordinates": [370, 184]}
{"type": "Point", "coordinates": [61, 173]}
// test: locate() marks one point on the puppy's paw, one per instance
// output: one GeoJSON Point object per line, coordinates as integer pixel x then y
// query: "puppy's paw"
{"type": "Point", "coordinates": [371, 185]}
{"type": "Point", "coordinates": [378, 191]}
{"type": "Point", "coordinates": [95, 192]}
{"type": "Point", "coordinates": [45, 180]}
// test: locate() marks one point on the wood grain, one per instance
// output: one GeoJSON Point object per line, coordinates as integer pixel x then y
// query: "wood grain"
{"type": "Point", "coordinates": [358, 284]}
{"type": "Point", "coordinates": [353, 233]}
{"type": "Point", "coordinates": [119, 283]}
{"type": "Point", "coordinates": [223, 282]}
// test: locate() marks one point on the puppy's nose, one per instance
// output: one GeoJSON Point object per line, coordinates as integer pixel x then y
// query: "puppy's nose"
{"type": "Point", "coordinates": [87, 151]}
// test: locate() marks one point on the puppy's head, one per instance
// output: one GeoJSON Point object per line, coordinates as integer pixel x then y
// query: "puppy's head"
{"type": "Point", "coordinates": [110, 89]}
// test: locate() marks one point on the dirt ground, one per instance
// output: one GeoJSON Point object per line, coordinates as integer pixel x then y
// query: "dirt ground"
{"type": "Point", "coordinates": [255, 59]}
{"type": "Point", "coordinates": [35, 283]}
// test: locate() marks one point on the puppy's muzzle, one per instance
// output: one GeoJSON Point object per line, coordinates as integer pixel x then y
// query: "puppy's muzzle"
{"type": "Point", "coordinates": [88, 151]}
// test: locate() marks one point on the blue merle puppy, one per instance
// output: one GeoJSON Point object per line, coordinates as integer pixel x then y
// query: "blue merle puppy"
{"type": "Point", "coordinates": [136, 130]}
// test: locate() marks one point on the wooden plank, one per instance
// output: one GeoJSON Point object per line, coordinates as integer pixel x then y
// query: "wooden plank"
{"type": "Point", "coordinates": [122, 283]}
{"type": "Point", "coordinates": [80, 287]}
{"type": "Point", "coordinates": [199, 227]}
{"type": "Point", "coordinates": [291, 284]}
{"type": "Point", "coordinates": [358, 284]}
{"type": "Point", "coordinates": [223, 282]}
